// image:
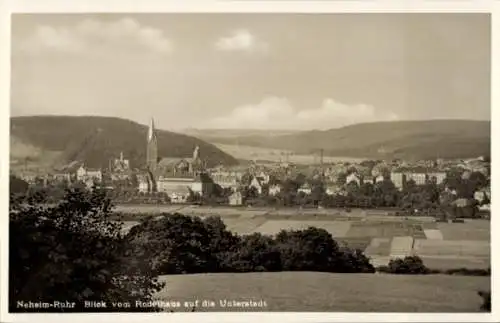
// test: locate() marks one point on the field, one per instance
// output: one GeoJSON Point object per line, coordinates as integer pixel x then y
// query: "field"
{"type": "Point", "coordinates": [441, 245]}
{"type": "Point", "coordinates": [275, 155]}
{"type": "Point", "coordinates": [324, 292]}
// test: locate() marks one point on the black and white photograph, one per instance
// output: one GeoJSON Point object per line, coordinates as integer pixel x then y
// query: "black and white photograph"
{"type": "Point", "coordinates": [184, 162]}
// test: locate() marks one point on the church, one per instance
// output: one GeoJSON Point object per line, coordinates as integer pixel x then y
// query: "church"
{"type": "Point", "coordinates": [172, 175]}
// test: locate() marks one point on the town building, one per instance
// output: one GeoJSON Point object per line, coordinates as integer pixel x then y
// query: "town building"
{"type": "Point", "coordinates": [227, 179]}
{"type": "Point", "coordinates": [274, 189]}
{"type": "Point", "coordinates": [62, 177]}
{"type": "Point", "coordinates": [87, 174]}
{"type": "Point", "coordinates": [119, 165]}
{"type": "Point", "coordinates": [439, 176]}
{"type": "Point", "coordinates": [418, 178]}
{"type": "Point", "coordinates": [481, 196]}
{"type": "Point", "coordinates": [353, 177]}
{"type": "Point", "coordinates": [236, 198]}
{"type": "Point", "coordinates": [332, 189]}
{"type": "Point", "coordinates": [257, 183]}
{"type": "Point", "coordinates": [305, 188]}
{"type": "Point", "coordinates": [144, 182]}
{"type": "Point", "coordinates": [175, 176]}
{"type": "Point", "coordinates": [398, 179]}
{"type": "Point", "coordinates": [368, 180]}
{"type": "Point", "coordinates": [466, 174]}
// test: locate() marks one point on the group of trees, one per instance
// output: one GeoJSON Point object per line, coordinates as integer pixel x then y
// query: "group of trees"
{"type": "Point", "coordinates": [73, 251]}
{"type": "Point", "coordinates": [183, 244]}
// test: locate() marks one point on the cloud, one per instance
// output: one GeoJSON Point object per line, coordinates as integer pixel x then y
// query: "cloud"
{"type": "Point", "coordinates": [241, 40]}
{"type": "Point", "coordinates": [92, 36]}
{"type": "Point", "coordinates": [279, 113]}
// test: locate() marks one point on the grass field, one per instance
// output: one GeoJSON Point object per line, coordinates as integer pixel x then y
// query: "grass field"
{"type": "Point", "coordinates": [441, 245]}
{"type": "Point", "coordinates": [473, 230]}
{"type": "Point", "coordinates": [335, 228]}
{"type": "Point", "coordinates": [308, 291]}
{"type": "Point", "coordinates": [444, 263]}
{"type": "Point", "coordinates": [452, 248]}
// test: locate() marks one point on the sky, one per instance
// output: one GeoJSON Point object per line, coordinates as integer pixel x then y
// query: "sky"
{"type": "Point", "coordinates": [252, 71]}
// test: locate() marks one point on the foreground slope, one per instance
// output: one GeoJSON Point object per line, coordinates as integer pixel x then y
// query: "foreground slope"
{"type": "Point", "coordinates": [401, 139]}
{"type": "Point", "coordinates": [327, 292]}
{"type": "Point", "coordinates": [95, 140]}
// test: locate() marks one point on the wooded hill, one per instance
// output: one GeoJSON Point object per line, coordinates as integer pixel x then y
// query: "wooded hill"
{"type": "Point", "coordinates": [401, 139]}
{"type": "Point", "coordinates": [96, 140]}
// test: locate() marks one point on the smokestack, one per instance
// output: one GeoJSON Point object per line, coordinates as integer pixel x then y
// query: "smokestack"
{"type": "Point", "coordinates": [321, 163]}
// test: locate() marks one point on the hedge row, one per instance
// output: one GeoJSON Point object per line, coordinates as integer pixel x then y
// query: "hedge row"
{"type": "Point", "coordinates": [414, 265]}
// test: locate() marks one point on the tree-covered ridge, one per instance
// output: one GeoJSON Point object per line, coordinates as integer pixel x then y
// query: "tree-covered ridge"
{"type": "Point", "coordinates": [428, 139]}
{"type": "Point", "coordinates": [96, 140]}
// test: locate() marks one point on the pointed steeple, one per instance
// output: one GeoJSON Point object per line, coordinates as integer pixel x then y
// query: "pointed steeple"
{"type": "Point", "coordinates": [151, 132]}
{"type": "Point", "coordinates": [196, 153]}
{"type": "Point", "coordinates": [152, 148]}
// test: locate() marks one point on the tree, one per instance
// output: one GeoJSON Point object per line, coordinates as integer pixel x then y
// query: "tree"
{"type": "Point", "coordinates": [74, 251]}
{"type": "Point", "coordinates": [352, 188]}
{"type": "Point", "coordinates": [17, 185]}
{"type": "Point", "coordinates": [312, 249]}
{"type": "Point", "coordinates": [222, 242]}
{"type": "Point", "coordinates": [478, 180]}
{"type": "Point", "coordinates": [179, 244]}
{"type": "Point", "coordinates": [318, 192]}
{"type": "Point", "coordinates": [255, 252]}
{"type": "Point", "coordinates": [386, 193]}
{"type": "Point", "coordinates": [341, 179]}
{"type": "Point", "coordinates": [367, 189]}
{"type": "Point", "coordinates": [193, 197]}
{"type": "Point", "coordinates": [300, 179]}
{"type": "Point", "coordinates": [412, 265]}
{"type": "Point", "coordinates": [249, 194]}
{"type": "Point", "coordinates": [486, 296]}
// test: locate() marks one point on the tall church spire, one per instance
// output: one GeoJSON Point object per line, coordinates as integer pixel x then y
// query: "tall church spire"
{"type": "Point", "coordinates": [151, 148]}
{"type": "Point", "coordinates": [151, 131]}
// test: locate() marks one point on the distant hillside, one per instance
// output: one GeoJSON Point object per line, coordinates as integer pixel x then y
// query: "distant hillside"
{"type": "Point", "coordinates": [402, 139]}
{"type": "Point", "coordinates": [96, 140]}
{"type": "Point", "coordinates": [234, 133]}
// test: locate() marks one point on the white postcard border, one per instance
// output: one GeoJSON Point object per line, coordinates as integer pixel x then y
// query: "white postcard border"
{"type": "Point", "coordinates": [152, 6]}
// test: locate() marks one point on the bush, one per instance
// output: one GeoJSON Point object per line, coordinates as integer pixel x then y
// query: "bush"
{"type": "Point", "coordinates": [469, 272]}
{"type": "Point", "coordinates": [73, 251]}
{"type": "Point", "coordinates": [255, 252]}
{"type": "Point", "coordinates": [411, 265]}
{"type": "Point", "coordinates": [314, 249]}
{"type": "Point", "coordinates": [456, 271]}
{"type": "Point", "coordinates": [354, 261]}
{"type": "Point", "coordinates": [486, 306]}
{"type": "Point", "coordinates": [179, 244]}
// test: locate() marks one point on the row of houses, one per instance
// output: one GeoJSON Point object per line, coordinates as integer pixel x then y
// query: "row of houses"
{"type": "Point", "coordinates": [400, 179]}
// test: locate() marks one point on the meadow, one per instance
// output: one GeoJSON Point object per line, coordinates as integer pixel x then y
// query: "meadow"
{"type": "Point", "coordinates": [308, 291]}
{"type": "Point", "coordinates": [381, 237]}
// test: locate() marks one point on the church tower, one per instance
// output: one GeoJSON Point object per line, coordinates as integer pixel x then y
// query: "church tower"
{"type": "Point", "coordinates": [152, 148]}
